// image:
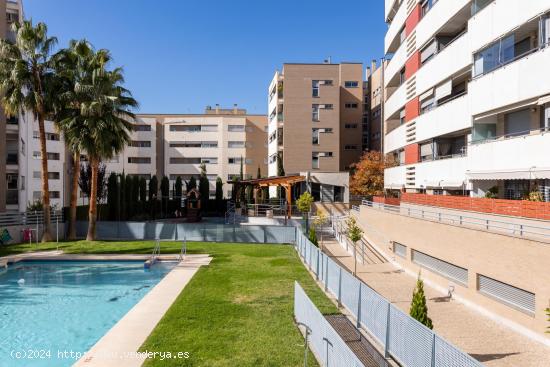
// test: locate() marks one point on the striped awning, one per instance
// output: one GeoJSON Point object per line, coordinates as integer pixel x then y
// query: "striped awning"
{"type": "Point", "coordinates": [532, 174]}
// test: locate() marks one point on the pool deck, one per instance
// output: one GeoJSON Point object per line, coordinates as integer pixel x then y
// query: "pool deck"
{"type": "Point", "coordinates": [118, 346]}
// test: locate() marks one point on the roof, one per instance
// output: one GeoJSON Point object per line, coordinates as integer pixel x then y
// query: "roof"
{"type": "Point", "coordinates": [272, 181]}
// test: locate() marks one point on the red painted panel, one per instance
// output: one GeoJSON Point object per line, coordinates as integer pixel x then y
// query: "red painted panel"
{"type": "Point", "coordinates": [413, 19]}
{"type": "Point", "coordinates": [412, 65]}
{"type": "Point", "coordinates": [411, 154]}
{"type": "Point", "coordinates": [412, 109]}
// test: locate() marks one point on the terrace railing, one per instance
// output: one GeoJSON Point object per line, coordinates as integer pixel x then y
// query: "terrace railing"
{"type": "Point", "coordinates": [467, 220]}
{"type": "Point", "coordinates": [400, 336]}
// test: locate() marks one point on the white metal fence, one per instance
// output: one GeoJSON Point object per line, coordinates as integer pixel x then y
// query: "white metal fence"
{"type": "Point", "coordinates": [469, 221]}
{"type": "Point", "coordinates": [190, 232]}
{"type": "Point", "coordinates": [402, 337]}
{"type": "Point", "coordinates": [323, 340]}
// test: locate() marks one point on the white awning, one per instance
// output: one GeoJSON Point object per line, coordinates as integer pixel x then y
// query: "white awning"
{"type": "Point", "coordinates": [426, 94]}
{"type": "Point", "coordinates": [518, 106]}
{"type": "Point", "coordinates": [532, 174]}
{"type": "Point", "coordinates": [444, 184]}
{"type": "Point", "coordinates": [394, 186]}
{"type": "Point", "coordinates": [444, 90]}
{"type": "Point", "coordinates": [544, 100]}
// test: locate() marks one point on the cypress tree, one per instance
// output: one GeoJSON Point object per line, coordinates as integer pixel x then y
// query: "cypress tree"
{"type": "Point", "coordinates": [128, 193]}
{"type": "Point", "coordinates": [219, 193]}
{"type": "Point", "coordinates": [165, 192]}
{"type": "Point", "coordinates": [135, 194]}
{"type": "Point", "coordinates": [112, 196]}
{"type": "Point", "coordinates": [192, 183]}
{"type": "Point", "coordinates": [419, 308]}
{"type": "Point", "coordinates": [142, 194]}
{"type": "Point", "coordinates": [178, 189]}
{"type": "Point", "coordinates": [153, 188]}
{"type": "Point", "coordinates": [204, 187]}
{"type": "Point", "coordinates": [122, 191]}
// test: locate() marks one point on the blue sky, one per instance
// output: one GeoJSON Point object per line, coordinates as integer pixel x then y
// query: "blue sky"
{"type": "Point", "coordinates": [181, 55]}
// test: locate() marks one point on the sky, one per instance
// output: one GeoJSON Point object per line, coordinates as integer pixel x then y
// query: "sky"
{"type": "Point", "coordinates": [182, 55]}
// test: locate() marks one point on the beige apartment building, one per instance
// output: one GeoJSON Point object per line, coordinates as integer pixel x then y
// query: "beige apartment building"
{"type": "Point", "coordinates": [316, 117]}
{"type": "Point", "coordinates": [374, 106]}
{"type": "Point", "coordinates": [8, 126]}
{"type": "Point", "coordinates": [175, 145]}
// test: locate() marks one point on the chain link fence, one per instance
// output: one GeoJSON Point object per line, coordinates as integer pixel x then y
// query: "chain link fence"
{"type": "Point", "coordinates": [403, 338]}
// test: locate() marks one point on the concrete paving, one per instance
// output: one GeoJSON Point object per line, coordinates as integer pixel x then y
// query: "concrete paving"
{"type": "Point", "coordinates": [484, 339]}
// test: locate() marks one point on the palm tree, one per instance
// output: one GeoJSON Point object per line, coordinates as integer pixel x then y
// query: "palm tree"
{"type": "Point", "coordinates": [26, 76]}
{"type": "Point", "coordinates": [74, 66]}
{"type": "Point", "coordinates": [105, 108]}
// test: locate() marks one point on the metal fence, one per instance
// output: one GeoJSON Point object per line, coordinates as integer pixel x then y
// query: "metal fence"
{"type": "Point", "coordinates": [469, 221]}
{"type": "Point", "coordinates": [190, 232]}
{"type": "Point", "coordinates": [402, 337]}
{"type": "Point", "coordinates": [28, 218]}
{"type": "Point", "coordinates": [323, 340]}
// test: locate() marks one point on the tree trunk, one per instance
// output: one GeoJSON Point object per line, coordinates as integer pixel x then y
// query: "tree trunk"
{"type": "Point", "coordinates": [74, 194]}
{"type": "Point", "coordinates": [92, 215]}
{"type": "Point", "coordinates": [46, 235]}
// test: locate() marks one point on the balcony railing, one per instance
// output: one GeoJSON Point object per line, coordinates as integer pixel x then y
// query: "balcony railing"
{"type": "Point", "coordinates": [12, 197]}
{"type": "Point", "coordinates": [520, 134]}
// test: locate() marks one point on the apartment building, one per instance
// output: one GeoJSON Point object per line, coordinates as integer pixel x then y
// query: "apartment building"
{"type": "Point", "coordinates": [468, 97]}
{"type": "Point", "coordinates": [161, 144]}
{"type": "Point", "coordinates": [13, 12]}
{"type": "Point", "coordinates": [374, 97]}
{"type": "Point", "coordinates": [315, 117]}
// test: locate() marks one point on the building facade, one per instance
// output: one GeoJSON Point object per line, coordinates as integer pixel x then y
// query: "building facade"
{"type": "Point", "coordinates": [374, 104]}
{"type": "Point", "coordinates": [315, 117]}
{"type": "Point", "coordinates": [162, 145]}
{"type": "Point", "coordinates": [9, 165]}
{"type": "Point", "coordinates": [468, 99]}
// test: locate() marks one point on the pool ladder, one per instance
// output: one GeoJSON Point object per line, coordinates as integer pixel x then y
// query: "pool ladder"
{"type": "Point", "coordinates": [155, 254]}
{"type": "Point", "coordinates": [183, 250]}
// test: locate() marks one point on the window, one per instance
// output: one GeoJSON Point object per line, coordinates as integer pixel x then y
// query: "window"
{"type": "Point", "coordinates": [51, 156]}
{"type": "Point", "coordinates": [139, 160]}
{"type": "Point", "coordinates": [234, 160]}
{"type": "Point", "coordinates": [22, 182]}
{"type": "Point", "coordinates": [428, 52]}
{"type": "Point", "coordinates": [351, 126]}
{"type": "Point", "coordinates": [315, 136]}
{"type": "Point", "coordinates": [402, 76]}
{"type": "Point", "coordinates": [315, 112]}
{"type": "Point", "coordinates": [194, 144]}
{"type": "Point", "coordinates": [478, 5]}
{"type": "Point", "coordinates": [427, 5]}
{"type": "Point", "coordinates": [140, 144]}
{"type": "Point", "coordinates": [194, 128]}
{"type": "Point", "coordinates": [402, 117]}
{"type": "Point", "coordinates": [426, 151]}
{"type": "Point", "coordinates": [328, 106]}
{"type": "Point", "coordinates": [49, 136]}
{"type": "Point", "coordinates": [55, 195]}
{"type": "Point", "coordinates": [517, 123]}
{"type": "Point", "coordinates": [51, 175]}
{"type": "Point", "coordinates": [315, 160]}
{"type": "Point", "coordinates": [236, 128]}
{"type": "Point", "coordinates": [351, 84]}
{"type": "Point", "coordinates": [193, 160]}
{"type": "Point", "coordinates": [236, 144]}
{"type": "Point", "coordinates": [315, 88]}
{"type": "Point", "coordinates": [37, 195]}
{"type": "Point", "coordinates": [142, 127]}
{"type": "Point", "coordinates": [351, 147]}
{"type": "Point", "coordinates": [351, 105]}
{"type": "Point", "coordinates": [515, 189]}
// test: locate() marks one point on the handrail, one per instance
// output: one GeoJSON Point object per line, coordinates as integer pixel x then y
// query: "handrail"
{"type": "Point", "coordinates": [520, 134]}
{"type": "Point", "coordinates": [491, 225]}
{"type": "Point", "coordinates": [183, 250]}
{"type": "Point", "coordinates": [156, 252]}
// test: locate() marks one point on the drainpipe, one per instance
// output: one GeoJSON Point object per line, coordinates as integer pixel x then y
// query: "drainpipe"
{"type": "Point", "coordinates": [382, 97]}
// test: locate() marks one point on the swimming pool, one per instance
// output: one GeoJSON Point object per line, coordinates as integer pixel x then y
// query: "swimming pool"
{"type": "Point", "coordinates": [64, 306]}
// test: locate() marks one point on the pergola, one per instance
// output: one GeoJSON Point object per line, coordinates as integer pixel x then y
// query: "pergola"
{"type": "Point", "coordinates": [280, 181]}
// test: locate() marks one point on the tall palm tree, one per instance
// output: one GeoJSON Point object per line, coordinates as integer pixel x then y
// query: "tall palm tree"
{"type": "Point", "coordinates": [74, 67]}
{"type": "Point", "coordinates": [105, 113]}
{"type": "Point", "coordinates": [25, 82]}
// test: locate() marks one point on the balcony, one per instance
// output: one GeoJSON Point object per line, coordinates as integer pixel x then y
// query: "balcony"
{"type": "Point", "coordinates": [511, 83]}
{"type": "Point", "coordinates": [442, 173]}
{"type": "Point", "coordinates": [444, 119]}
{"type": "Point", "coordinates": [445, 63]}
{"type": "Point", "coordinates": [392, 41]}
{"type": "Point", "coordinates": [396, 139]}
{"type": "Point", "coordinates": [395, 177]}
{"type": "Point", "coordinates": [396, 102]}
{"type": "Point", "coordinates": [521, 157]}
{"type": "Point", "coordinates": [396, 64]}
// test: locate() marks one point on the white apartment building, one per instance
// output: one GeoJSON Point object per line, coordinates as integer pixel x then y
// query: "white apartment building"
{"type": "Point", "coordinates": [468, 96]}
{"type": "Point", "coordinates": [171, 145]}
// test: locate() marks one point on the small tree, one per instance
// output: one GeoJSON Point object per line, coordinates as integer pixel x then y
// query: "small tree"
{"type": "Point", "coordinates": [192, 184]}
{"type": "Point", "coordinates": [419, 308]}
{"type": "Point", "coordinates": [368, 174]}
{"type": "Point", "coordinates": [319, 222]}
{"type": "Point", "coordinates": [304, 206]}
{"type": "Point", "coordinates": [219, 193]}
{"type": "Point", "coordinates": [165, 192]}
{"type": "Point", "coordinates": [112, 196]}
{"type": "Point", "coordinates": [128, 193]}
{"type": "Point", "coordinates": [313, 236]}
{"type": "Point", "coordinates": [143, 192]}
{"type": "Point", "coordinates": [204, 187]}
{"type": "Point", "coordinates": [354, 233]}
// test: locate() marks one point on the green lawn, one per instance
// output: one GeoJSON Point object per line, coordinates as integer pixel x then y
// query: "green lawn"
{"type": "Point", "coordinates": [236, 312]}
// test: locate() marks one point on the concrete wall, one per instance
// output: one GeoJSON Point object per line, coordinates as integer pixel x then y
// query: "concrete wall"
{"type": "Point", "coordinates": [518, 262]}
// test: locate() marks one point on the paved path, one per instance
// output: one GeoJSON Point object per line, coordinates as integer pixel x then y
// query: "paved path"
{"type": "Point", "coordinates": [115, 348]}
{"type": "Point", "coordinates": [481, 337]}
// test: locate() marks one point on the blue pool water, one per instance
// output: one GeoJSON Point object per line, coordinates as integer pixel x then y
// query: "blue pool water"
{"type": "Point", "coordinates": [66, 306]}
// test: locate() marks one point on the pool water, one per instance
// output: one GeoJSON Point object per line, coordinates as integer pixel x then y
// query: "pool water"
{"type": "Point", "coordinates": [64, 306]}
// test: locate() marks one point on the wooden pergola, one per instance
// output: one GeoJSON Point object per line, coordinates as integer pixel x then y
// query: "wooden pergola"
{"type": "Point", "coordinates": [280, 181]}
